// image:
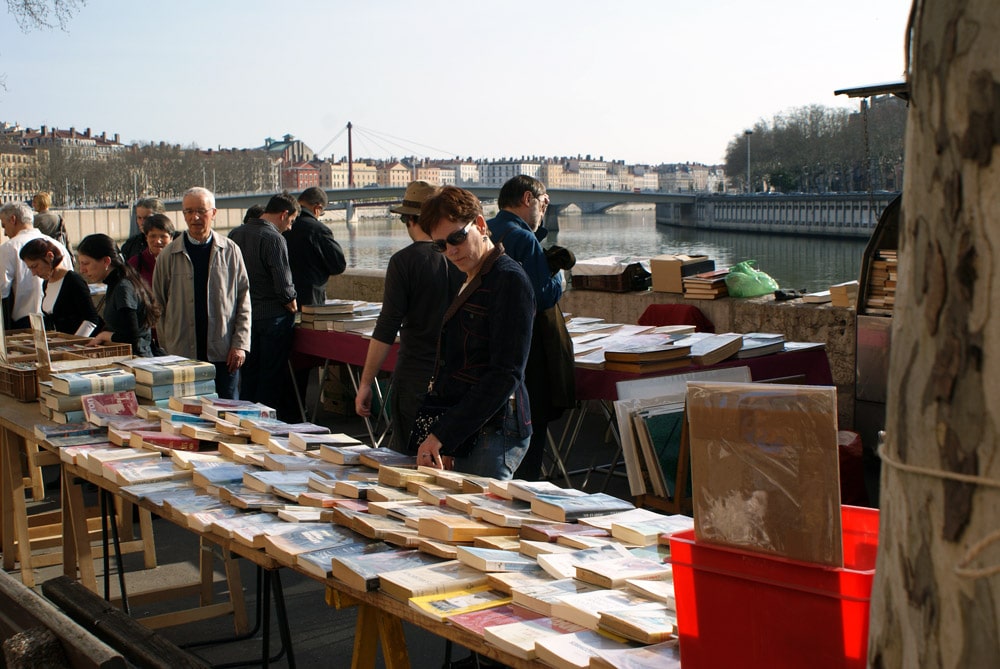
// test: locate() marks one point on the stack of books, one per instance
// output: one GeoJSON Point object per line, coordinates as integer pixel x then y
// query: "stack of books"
{"type": "Point", "coordinates": [340, 315]}
{"type": "Point", "coordinates": [756, 344]}
{"type": "Point", "coordinates": [844, 294]}
{"type": "Point", "coordinates": [643, 354]}
{"type": "Point", "coordinates": [706, 285]}
{"type": "Point", "coordinates": [159, 379]}
{"type": "Point", "coordinates": [882, 283]}
{"type": "Point", "coordinates": [711, 349]}
{"type": "Point", "coordinates": [61, 399]}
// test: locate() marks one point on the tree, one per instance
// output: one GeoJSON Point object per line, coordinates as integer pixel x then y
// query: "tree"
{"type": "Point", "coordinates": [41, 14]}
{"type": "Point", "coordinates": [936, 593]}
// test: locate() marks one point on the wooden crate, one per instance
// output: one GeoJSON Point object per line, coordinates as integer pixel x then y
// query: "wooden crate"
{"type": "Point", "coordinates": [19, 376]}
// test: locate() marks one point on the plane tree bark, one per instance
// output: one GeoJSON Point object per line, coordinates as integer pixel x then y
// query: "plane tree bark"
{"type": "Point", "coordinates": [936, 590]}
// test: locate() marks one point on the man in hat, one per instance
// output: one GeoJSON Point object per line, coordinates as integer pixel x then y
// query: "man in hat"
{"type": "Point", "coordinates": [549, 374]}
{"type": "Point", "coordinates": [315, 254]}
{"type": "Point", "coordinates": [419, 286]}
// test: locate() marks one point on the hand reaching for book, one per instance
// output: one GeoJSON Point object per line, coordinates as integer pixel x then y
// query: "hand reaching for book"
{"type": "Point", "coordinates": [429, 454]}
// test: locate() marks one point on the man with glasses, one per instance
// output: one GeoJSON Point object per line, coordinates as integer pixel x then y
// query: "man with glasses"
{"type": "Point", "coordinates": [548, 375]}
{"type": "Point", "coordinates": [272, 298]}
{"type": "Point", "coordinates": [419, 286]}
{"type": "Point", "coordinates": [201, 284]}
{"type": "Point", "coordinates": [315, 254]}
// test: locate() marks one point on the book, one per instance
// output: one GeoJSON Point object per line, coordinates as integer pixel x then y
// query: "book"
{"type": "Point", "coordinates": [98, 407]}
{"type": "Point", "coordinates": [756, 344]}
{"type": "Point", "coordinates": [536, 548]}
{"type": "Point", "coordinates": [376, 457]}
{"type": "Point", "coordinates": [263, 480]}
{"type": "Point", "coordinates": [226, 527]}
{"type": "Point", "coordinates": [489, 559]}
{"type": "Point", "coordinates": [613, 573]}
{"type": "Point", "coordinates": [519, 638]}
{"type": "Point", "coordinates": [526, 490]}
{"type": "Point", "coordinates": [457, 529]}
{"type": "Point", "coordinates": [644, 626]}
{"type": "Point", "coordinates": [332, 306]}
{"type": "Point", "coordinates": [263, 429]}
{"type": "Point", "coordinates": [161, 441]}
{"type": "Point", "coordinates": [508, 581]}
{"type": "Point", "coordinates": [190, 404]}
{"type": "Point", "coordinates": [661, 590]}
{"type": "Point", "coordinates": [664, 655]}
{"type": "Point", "coordinates": [160, 373]}
{"type": "Point", "coordinates": [93, 459]}
{"type": "Point", "coordinates": [361, 571]}
{"type": "Point", "coordinates": [399, 477]}
{"type": "Point", "coordinates": [551, 532]}
{"type": "Point", "coordinates": [476, 622]}
{"type": "Point", "coordinates": [319, 563]}
{"type": "Point", "coordinates": [574, 651]}
{"type": "Point", "coordinates": [275, 462]}
{"type": "Point", "coordinates": [710, 349]}
{"type": "Point", "coordinates": [819, 297]}
{"type": "Point", "coordinates": [442, 606]}
{"type": "Point", "coordinates": [501, 544]}
{"type": "Point", "coordinates": [342, 455]}
{"type": "Point", "coordinates": [65, 417]}
{"type": "Point", "coordinates": [59, 402]}
{"type": "Point", "coordinates": [300, 514]}
{"type": "Point", "coordinates": [561, 508]}
{"type": "Point", "coordinates": [213, 475]}
{"type": "Point", "coordinates": [218, 407]}
{"type": "Point", "coordinates": [92, 381]}
{"type": "Point", "coordinates": [659, 429]}
{"type": "Point", "coordinates": [75, 437]}
{"type": "Point", "coordinates": [564, 565]}
{"type": "Point", "coordinates": [307, 537]}
{"type": "Point", "coordinates": [539, 596]}
{"type": "Point", "coordinates": [429, 579]}
{"type": "Point", "coordinates": [648, 533]}
{"type": "Point", "coordinates": [585, 608]}
{"type": "Point", "coordinates": [645, 348]}
{"type": "Point", "coordinates": [185, 390]}
{"type": "Point", "coordinates": [301, 441]}
{"type": "Point", "coordinates": [647, 367]}
{"type": "Point", "coordinates": [143, 471]}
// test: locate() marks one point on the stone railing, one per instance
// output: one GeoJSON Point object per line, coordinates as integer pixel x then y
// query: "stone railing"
{"type": "Point", "coordinates": [796, 320]}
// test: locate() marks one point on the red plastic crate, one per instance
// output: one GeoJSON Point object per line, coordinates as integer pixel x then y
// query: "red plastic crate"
{"type": "Point", "coordinates": [741, 609]}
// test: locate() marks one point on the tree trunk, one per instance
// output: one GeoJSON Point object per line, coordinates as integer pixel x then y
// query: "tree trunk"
{"type": "Point", "coordinates": [944, 379]}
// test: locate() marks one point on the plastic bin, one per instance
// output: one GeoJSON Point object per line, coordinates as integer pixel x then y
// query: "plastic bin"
{"type": "Point", "coordinates": [741, 609]}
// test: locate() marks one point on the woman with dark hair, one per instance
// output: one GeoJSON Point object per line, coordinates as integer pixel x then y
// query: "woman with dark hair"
{"type": "Point", "coordinates": [129, 308]}
{"type": "Point", "coordinates": [66, 302]}
{"type": "Point", "coordinates": [159, 231]}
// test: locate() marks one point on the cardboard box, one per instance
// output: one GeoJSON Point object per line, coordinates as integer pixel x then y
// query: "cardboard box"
{"type": "Point", "coordinates": [764, 468]}
{"type": "Point", "coordinates": [668, 270]}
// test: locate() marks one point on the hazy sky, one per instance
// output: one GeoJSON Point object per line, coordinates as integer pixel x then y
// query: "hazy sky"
{"type": "Point", "coordinates": [645, 81]}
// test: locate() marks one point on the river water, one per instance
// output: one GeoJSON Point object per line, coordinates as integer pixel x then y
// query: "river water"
{"type": "Point", "coordinates": [808, 263]}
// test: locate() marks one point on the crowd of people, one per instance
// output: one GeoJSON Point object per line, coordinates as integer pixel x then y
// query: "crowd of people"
{"type": "Point", "coordinates": [484, 362]}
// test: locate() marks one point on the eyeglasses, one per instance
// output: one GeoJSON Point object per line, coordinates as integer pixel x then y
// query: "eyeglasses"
{"type": "Point", "coordinates": [199, 212]}
{"type": "Point", "coordinates": [543, 200]}
{"type": "Point", "coordinates": [456, 238]}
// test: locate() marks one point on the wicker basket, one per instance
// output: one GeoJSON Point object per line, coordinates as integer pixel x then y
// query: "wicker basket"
{"type": "Point", "coordinates": [635, 277]}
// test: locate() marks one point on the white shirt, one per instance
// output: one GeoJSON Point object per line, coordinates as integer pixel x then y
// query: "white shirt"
{"type": "Point", "coordinates": [27, 289]}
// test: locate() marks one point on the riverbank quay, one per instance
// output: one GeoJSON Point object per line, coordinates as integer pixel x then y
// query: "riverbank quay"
{"type": "Point", "coordinates": [798, 321]}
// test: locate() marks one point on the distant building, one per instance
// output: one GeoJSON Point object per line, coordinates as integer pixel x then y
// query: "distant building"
{"type": "Point", "coordinates": [83, 144]}
{"type": "Point", "coordinates": [299, 176]}
{"type": "Point", "coordinates": [593, 173]}
{"type": "Point", "coordinates": [20, 173]}
{"type": "Point", "coordinates": [336, 175]}
{"type": "Point", "coordinates": [466, 172]}
{"type": "Point", "coordinates": [394, 174]}
{"type": "Point", "coordinates": [496, 173]}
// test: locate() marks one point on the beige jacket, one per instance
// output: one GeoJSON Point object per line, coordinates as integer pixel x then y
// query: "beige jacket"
{"type": "Point", "coordinates": [228, 299]}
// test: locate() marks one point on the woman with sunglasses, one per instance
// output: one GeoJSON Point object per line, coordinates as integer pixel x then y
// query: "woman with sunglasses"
{"type": "Point", "coordinates": [483, 347]}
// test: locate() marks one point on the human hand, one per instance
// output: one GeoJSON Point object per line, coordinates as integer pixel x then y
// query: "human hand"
{"type": "Point", "coordinates": [100, 339]}
{"type": "Point", "coordinates": [363, 400]}
{"type": "Point", "coordinates": [429, 454]}
{"type": "Point", "coordinates": [235, 359]}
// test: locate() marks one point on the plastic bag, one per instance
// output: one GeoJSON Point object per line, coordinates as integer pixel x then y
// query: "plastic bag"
{"type": "Point", "coordinates": [745, 281]}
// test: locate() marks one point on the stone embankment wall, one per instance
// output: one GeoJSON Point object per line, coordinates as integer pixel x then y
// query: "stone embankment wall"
{"type": "Point", "coordinates": [796, 320]}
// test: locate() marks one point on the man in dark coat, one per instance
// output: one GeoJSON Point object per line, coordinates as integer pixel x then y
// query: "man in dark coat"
{"type": "Point", "coordinates": [314, 254]}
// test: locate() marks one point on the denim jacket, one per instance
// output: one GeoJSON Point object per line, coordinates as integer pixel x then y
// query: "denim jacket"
{"type": "Point", "coordinates": [484, 347]}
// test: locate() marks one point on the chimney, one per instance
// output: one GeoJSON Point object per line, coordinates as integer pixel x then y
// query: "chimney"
{"type": "Point", "coordinates": [72, 132]}
{"type": "Point", "coordinates": [86, 133]}
{"type": "Point", "coordinates": [117, 139]}
{"type": "Point", "coordinates": [104, 136]}
{"type": "Point", "coordinates": [42, 130]}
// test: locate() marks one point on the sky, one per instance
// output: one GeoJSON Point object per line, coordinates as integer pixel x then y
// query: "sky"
{"type": "Point", "coordinates": [643, 81]}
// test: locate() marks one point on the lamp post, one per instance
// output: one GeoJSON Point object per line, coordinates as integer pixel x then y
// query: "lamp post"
{"type": "Point", "coordinates": [748, 133]}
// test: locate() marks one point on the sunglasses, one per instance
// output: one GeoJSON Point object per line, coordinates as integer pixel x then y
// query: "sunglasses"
{"type": "Point", "coordinates": [456, 238]}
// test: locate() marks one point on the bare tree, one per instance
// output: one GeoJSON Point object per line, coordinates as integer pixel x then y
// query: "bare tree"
{"type": "Point", "coordinates": [41, 14]}
{"type": "Point", "coordinates": [936, 597]}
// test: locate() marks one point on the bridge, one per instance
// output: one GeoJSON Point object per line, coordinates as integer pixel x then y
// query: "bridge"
{"type": "Point", "coordinates": [383, 196]}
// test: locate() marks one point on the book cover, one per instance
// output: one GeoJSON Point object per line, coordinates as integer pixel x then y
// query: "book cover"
{"type": "Point", "coordinates": [186, 390]}
{"type": "Point", "coordinates": [656, 590]}
{"type": "Point", "coordinates": [162, 440]}
{"type": "Point", "coordinates": [477, 621]}
{"type": "Point", "coordinates": [627, 516]}
{"type": "Point", "coordinates": [645, 348]}
{"type": "Point", "coordinates": [376, 457]}
{"type": "Point", "coordinates": [643, 626]}
{"type": "Point", "coordinates": [710, 349]}
{"type": "Point", "coordinates": [538, 597]}
{"type": "Point", "coordinates": [302, 441]}
{"type": "Point", "coordinates": [307, 537]}
{"type": "Point", "coordinates": [574, 651]}
{"type": "Point", "coordinates": [342, 455]}
{"type": "Point", "coordinates": [319, 563]}
{"type": "Point", "coordinates": [519, 638]}
{"type": "Point", "coordinates": [263, 480]}
{"type": "Point", "coordinates": [92, 381]}
{"type": "Point", "coordinates": [551, 532]}
{"type": "Point", "coordinates": [429, 579]}
{"type": "Point", "coordinates": [563, 509]}
{"type": "Point", "coordinates": [59, 402]}
{"type": "Point", "coordinates": [491, 559]}
{"type": "Point", "coordinates": [143, 471]}
{"type": "Point", "coordinates": [666, 655]}
{"type": "Point", "coordinates": [647, 367]}
{"type": "Point", "coordinates": [361, 572]}
{"type": "Point", "coordinates": [585, 608]}
{"type": "Point", "coordinates": [563, 565]}
{"type": "Point", "coordinates": [442, 606]}
{"type": "Point", "coordinates": [62, 441]}
{"type": "Point", "coordinates": [457, 529]}
{"type": "Point", "coordinates": [647, 533]}
{"type": "Point", "coordinates": [172, 373]}
{"type": "Point", "coordinates": [613, 573]}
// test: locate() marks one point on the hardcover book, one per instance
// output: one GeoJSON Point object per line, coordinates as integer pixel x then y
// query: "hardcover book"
{"type": "Point", "coordinates": [710, 349]}
{"type": "Point", "coordinates": [153, 373]}
{"type": "Point", "coordinates": [645, 348]}
{"type": "Point", "coordinates": [185, 390]}
{"type": "Point", "coordinates": [92, 381]}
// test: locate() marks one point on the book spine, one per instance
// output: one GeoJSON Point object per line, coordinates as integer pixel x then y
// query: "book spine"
{"type": "Point", "coordinates": [175, 375]}
{"type": "Point", "coordinates": [160, 392]}
{"type": "Point", "coordinates": [87, 386]}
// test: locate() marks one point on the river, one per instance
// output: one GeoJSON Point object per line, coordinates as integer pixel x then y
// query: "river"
{"type": "Point", "coordinates": [808, 263]}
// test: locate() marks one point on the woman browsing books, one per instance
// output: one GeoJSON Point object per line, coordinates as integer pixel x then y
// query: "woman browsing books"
{"type": "Point", "coordinates": [129, 308]}
{"type": "Point", "coordinates": [479, 379]}
{"type": "Point", "coordinates": [66, 302]}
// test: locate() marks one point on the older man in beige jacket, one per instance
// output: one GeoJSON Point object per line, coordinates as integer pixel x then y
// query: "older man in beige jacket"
{"type": "Point", "coordinates": [201, 283]}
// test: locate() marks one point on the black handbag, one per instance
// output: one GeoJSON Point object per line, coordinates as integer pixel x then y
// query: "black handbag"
{"type": "Point", "coordinates": [428, 414]}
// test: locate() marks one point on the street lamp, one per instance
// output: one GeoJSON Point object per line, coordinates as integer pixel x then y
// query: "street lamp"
{"type": "Point", "coordinates": [748, 133]}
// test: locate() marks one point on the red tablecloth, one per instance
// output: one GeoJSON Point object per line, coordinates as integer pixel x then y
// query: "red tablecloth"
{"type": "Point", "coordinates": [310, 345]}
{"type": "Point", "coordinates": [811, 364]}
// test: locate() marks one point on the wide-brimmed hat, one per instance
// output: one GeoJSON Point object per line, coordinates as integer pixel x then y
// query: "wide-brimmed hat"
{"type": "Point", "coordinates": [413, 198]}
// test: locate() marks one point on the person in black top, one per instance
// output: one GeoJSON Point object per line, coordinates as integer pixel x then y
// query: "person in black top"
{"type": "Point", "coordinates": [314, 253]}
{"type": "Point", "coordinates": [129, 309]}
{"type": "Point", "coordinates": [66, 302]}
